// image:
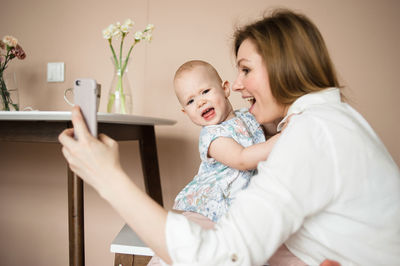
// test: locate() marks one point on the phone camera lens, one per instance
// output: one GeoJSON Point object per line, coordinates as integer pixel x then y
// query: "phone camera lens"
{"type": "Point", "coordinates": [78, 82]}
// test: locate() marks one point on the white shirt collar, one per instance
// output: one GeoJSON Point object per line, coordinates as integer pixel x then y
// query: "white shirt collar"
{"type": "Point", "coordinates": [329, 95]}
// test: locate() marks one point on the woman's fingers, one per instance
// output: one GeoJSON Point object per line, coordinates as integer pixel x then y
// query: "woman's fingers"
{"type": "Point", "coordinates": [106, 140]}
{"type": "Point", "coordinates": [66, 137]}
{"type": "Point", "coordinates": [66, 153]}
{"type": "Point", "coordinates": [81, 130]}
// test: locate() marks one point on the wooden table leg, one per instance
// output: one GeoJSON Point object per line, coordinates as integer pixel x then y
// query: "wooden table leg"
{"type": "Point", "coordinates": [75, 220]}
{"type": "Point", "coordinates": [151, 172]}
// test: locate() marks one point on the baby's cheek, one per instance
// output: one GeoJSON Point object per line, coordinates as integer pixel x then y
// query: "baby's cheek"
{"type": "Point", "coordinates": [222, 102]}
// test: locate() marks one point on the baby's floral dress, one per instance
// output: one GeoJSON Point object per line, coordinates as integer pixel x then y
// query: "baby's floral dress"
{"type": "Point", "coordinates": [215, 186]}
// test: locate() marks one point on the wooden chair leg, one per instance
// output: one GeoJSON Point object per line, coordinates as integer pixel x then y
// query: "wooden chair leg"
{"type": "Point", "coordinates": [130, 260]}
{"type": "Point", "coordinates": [123, 259]}
{"type": "Point", "coordinates": [139, 260]}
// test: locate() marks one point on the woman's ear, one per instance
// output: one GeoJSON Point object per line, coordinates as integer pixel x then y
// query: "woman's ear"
{"type": "Point", "coordinates": [226, 87]}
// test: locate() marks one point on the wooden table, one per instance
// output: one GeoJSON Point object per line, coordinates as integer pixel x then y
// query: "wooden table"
{"type": "Point", "coordinates": [39, 126]}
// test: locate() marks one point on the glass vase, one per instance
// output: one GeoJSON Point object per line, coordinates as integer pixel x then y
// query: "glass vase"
{"type": "Point", "coordinates": [9, 97]}
{"type": "Point", "coordinates": [119, 96]}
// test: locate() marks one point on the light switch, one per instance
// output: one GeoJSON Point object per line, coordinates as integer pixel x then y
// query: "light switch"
{"type": "Point", "coordinates": [55, 72]}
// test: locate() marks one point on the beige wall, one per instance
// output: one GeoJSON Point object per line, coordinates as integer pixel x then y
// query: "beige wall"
{"type": "Point", "coordinates": [362, 36]}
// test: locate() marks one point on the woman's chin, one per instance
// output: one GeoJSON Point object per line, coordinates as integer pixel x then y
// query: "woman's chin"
{"type": "Point", "coordinates": [253, 110]}
{"type": "Point", "coordinates": [258, 118]}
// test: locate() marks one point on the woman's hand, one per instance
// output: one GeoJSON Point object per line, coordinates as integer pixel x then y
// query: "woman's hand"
{"type": "Point", "coordinates": [94, 160]}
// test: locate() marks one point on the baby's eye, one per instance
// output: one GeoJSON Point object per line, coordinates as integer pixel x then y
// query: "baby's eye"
{"type": "Point", "coordinates": [189, 102]}
{"type": "Point", "coordinates": [206, 91]}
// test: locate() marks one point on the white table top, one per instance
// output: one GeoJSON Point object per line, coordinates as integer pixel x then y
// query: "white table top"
{"type": "Point", "coordinates": [66, 116]}
{"type": "Point", "coordinates": [127, 242]}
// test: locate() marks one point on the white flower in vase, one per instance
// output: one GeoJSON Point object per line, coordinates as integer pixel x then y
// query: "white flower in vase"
{"type": "Point", "coordinates": [120, 31]}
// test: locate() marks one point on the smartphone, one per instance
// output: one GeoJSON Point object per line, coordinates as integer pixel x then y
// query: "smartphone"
{"type": "Point", "coordinates": [86, 96]}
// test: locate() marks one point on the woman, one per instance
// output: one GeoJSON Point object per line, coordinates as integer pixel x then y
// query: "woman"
{"type": "Point", "coordinates": [328, 190]}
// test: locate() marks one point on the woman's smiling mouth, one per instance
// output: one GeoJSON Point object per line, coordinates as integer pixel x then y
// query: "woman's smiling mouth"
{"type": "Point", "coordinates": [251, 100]}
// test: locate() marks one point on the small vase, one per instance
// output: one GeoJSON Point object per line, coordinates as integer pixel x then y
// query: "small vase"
{"type": "Point", "coordinates": [119, 96]}
{"type": "Point", "coordinates": [9, 98]}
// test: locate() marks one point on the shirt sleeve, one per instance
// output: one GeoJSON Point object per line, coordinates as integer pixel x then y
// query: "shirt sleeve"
{"type": "Point", "coordinates": [296, 182]}
{"type": "Point", "coordinates": [207, 135]}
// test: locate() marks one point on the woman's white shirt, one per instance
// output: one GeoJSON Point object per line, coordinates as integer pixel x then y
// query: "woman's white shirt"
{"type": "Point", "coordinates": [329, 190]}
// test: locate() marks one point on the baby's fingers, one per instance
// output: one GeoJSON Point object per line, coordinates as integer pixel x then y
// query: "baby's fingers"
{"type": "Point", "coordinates": [287, 122]}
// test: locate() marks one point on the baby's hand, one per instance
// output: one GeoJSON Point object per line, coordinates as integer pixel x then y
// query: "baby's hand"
{"type": "Point", "coordinates": [270, 128]}
{"type": "Point", "coordinates": [287, 122]}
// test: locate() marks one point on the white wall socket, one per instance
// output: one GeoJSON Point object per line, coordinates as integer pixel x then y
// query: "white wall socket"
{"type": "Point", "coordinates": [55, 72]}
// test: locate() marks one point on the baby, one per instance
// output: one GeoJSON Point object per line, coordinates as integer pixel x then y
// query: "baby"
{"type": "Point", "coordinates": [231, 142]}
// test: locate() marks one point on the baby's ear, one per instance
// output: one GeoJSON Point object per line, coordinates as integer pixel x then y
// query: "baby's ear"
{"type": "Point", "coordinates": [226, 87]}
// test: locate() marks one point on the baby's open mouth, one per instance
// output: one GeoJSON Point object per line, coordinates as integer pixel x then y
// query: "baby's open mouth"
{"type": "Point", "coordinates": [207, 112]}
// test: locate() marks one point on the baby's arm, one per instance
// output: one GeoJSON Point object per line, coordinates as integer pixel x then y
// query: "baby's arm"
{"type": "Point", "coordinates": [227, 151]}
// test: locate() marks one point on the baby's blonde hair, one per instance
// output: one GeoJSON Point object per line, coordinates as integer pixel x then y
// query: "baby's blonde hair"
{"type": "Point", "coordinates": [192, 64]}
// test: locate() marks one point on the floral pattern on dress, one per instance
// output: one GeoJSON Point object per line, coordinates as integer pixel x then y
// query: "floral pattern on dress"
{"type": "Point", "coordinates": [215, 186]}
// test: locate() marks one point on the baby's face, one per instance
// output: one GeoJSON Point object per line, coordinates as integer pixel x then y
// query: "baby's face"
{"type": "Point", "coordinates": [203, 98]}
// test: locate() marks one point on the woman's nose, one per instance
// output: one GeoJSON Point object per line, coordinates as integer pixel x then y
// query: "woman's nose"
{"type": "Point", "coordinates": [237, 85]}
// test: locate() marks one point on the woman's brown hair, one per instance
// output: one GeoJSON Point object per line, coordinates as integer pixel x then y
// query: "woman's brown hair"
{"type": "Point", "coordinates": [294, 53]}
